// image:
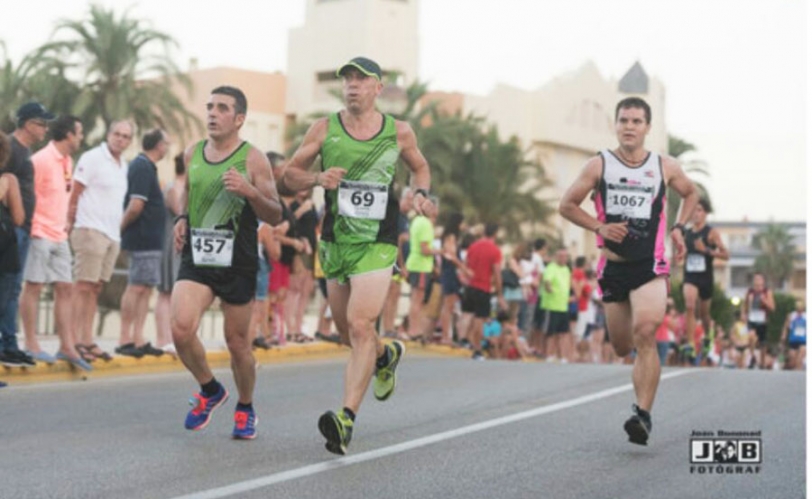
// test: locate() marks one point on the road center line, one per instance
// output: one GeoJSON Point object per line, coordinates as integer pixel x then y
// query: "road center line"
{"type": "Point", "coordinates": [313, 469]}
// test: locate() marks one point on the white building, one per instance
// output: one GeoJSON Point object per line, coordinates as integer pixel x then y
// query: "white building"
{"type": "Point", "coordinates": [565, 122]}
{"type": "Point", "coordinates": [334, 32]}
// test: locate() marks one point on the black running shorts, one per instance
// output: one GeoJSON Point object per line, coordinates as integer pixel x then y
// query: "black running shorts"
{"type": "Point", "coordinates": [618, 279]}
{"type": "Point", "coordinates": [231, 287]}
{"type": "Point", "coordinates": [703, 284]}
{"type": "Point", "coordinates": [760, 329]}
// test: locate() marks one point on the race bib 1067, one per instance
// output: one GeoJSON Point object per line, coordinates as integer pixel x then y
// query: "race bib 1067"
{"type": "Point", "coordinates": [362, 199]}
{"type": "Point", "coordinates": [212, 248]}
{"type": "Point", "coordinates": [628, 201]}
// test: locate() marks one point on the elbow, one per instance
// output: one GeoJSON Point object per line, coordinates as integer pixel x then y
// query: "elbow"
{"type": "Point", "coordinates": [565, 208]}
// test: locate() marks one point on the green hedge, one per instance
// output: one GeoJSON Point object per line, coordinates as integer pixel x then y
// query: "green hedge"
{"type": "Point", "coordinates": [722, 311]}
{"type": "Point", "coordinates": [784, 305]}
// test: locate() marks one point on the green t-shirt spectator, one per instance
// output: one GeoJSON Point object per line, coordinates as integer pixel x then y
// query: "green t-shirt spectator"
{"type": "Point", "coordinates": [560, 280]}
{"type": "Point", "coordinates": [421, 230]}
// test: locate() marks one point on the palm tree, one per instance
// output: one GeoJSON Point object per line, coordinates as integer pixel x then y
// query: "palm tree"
{"type": "Point", "coordinates": [487, 179]}
{"type": "Point", "coordinates": [777, 254]}
{"type": "Point", "coordinates": [678, 147]}
{"type": "Point", "coordinates": [36, 77]}
{"type": "Point", "coordinates": [125, 71]}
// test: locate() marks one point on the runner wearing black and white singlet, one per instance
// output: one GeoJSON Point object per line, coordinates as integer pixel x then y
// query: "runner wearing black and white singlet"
{"type": "Point", "coordinates": [630, 185]}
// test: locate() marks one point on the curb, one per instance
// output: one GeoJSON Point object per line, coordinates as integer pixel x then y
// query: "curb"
{"type": "Point", "coordinates": [123, 366]}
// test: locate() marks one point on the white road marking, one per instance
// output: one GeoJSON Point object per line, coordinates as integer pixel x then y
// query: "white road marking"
{"type": "Point", "coordinates": [313, 469]}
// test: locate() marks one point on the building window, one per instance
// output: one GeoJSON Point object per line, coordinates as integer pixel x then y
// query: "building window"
{"type": "Point", "coordinates": [799, 279]}
{"type": "Point", "coordinates": [740, 277]}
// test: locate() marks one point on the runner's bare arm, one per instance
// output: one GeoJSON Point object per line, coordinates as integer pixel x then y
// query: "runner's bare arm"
{"type": "Point", "coordinates": [417, 164]}
{"type": "Point", "coordinates": [259, 189]}
{"type": "Point", "coordinates": [570, 206]}
{"type": "Point", "coordinates": [677, 180]}
{"type": "Point", "coordinates": [769, 300]}
{"type": "Point", "coordinates": [297, 177]}
{"type": "Point", "coordinates": [721, 251]}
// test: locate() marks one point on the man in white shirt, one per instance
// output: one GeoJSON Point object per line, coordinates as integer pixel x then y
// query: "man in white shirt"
{"type": "Point", "coordinates": [94, 224]}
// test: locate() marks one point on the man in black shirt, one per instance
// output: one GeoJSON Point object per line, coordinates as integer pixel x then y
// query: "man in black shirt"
{"type": "Point", "coordinates": [142, 233]}
{"type": "Point", "coordinates": [32, 125]}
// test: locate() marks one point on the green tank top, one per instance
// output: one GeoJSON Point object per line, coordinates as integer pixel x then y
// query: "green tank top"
{"type": "Point", "coordinates": [214, 210]}
{"type": "Point", "coordinates": [364, 209]}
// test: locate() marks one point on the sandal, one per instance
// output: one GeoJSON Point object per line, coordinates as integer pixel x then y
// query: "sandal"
{"type": "Point", "coordinates": [94, 350]}
{"type": "Point", "coordinates": [84, 353]}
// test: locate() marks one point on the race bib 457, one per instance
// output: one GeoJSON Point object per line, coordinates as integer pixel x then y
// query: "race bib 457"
{"type": "Point", "coordinates": [212, 248]}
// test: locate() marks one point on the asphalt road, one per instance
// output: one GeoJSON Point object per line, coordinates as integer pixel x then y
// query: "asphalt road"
{"type": "Point", "coordinates": [454, 429]}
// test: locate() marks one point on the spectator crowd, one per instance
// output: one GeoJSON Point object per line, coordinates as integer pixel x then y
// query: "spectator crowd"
{"type": "Point", "coordinates": [64, 225]}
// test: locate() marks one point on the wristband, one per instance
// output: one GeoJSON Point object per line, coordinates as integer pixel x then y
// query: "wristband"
{"type": "Point", "coordinates": [181, 217]}
{"type": "Point", "coordinates": [422, 192]}
{"type": "Point", "coordinates": [679, 226]}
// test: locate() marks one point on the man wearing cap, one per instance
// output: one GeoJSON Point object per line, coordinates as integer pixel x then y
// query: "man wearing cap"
{"type": "Point", "coordinates": [49, 258]}
{"type": "Point", "coordinates": [32, 123]}
{"type": "Point", "coordinates": [360, 148]}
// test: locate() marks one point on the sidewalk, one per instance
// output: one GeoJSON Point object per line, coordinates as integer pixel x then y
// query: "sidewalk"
{"type": "Point", "coordinates": [211, 335]}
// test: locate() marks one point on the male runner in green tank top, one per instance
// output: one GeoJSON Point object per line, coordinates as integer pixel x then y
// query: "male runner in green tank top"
{"type": "Point", "coordinates": [228, 186]}
{"type": "Point", "coordinates": [360, 148]}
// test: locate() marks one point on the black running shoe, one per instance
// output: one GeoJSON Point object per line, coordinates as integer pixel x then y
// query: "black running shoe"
{"type": "Point", "coordinates": [148, 349]}
{"type": "Point", "coordinates": [337, 429]}
{"type": "Point", "coordinates": [638, 427]}
{"type": "Point", "coordinates": [8, 359]}
{"type": "Point", "coordinates": [130, 350]}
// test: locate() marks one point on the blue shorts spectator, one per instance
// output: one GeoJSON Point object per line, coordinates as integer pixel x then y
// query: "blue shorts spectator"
{"type": "Point", "coordinates": [263, 274]}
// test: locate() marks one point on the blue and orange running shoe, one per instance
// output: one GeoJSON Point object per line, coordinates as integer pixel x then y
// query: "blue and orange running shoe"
{"type": "Point", "coordinates": [245, 424]}
{"type": "Point", "coordinates": [202, 407]}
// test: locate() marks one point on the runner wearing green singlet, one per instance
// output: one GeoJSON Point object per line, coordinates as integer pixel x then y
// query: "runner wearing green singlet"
{"type": "Point", "coordinates": [228, 186]}
{"type": "Point", "coordinates": [360, 148]}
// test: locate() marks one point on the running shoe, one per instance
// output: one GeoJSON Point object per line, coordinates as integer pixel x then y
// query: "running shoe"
{"type": "Point", "coordinates": [337, 429]}
{"type": "Point", "coordinates": [245, 425]}
{"type": "Point", "coordinates": [148, 349]}
{"type": "Point", "coordinates": [638, 426]}
{"type": "Point", "coordinates": [385, 379]}
{"type": "Point", "coordinates": [8, 359]}
{"type": "Point", "coordinates": [129, 350]}
{"type": "Point", "coordinates": [202, 407]}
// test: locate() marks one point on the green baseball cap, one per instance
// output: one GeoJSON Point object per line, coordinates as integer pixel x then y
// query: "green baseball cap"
{"type": "Point", "coordinates": [364, 65]}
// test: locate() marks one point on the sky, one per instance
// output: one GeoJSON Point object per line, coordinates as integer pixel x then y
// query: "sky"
{"type": "Point", "coordinates": [734, 71]}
